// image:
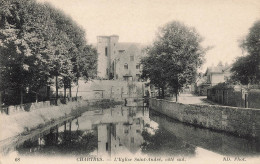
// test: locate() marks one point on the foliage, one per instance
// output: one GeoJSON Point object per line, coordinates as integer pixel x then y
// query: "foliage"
{"type": "Point", "coordinates": [88, 62]}
{"type": "Point", "coordinates": [75, 142]}
{"type": "Point", "coordinates": [246, 69]}
{"type": "Point", "coordinates": [242, 70]}
{"type": "Point", "coordinates": [164, 142]}
{"type": "Point", "coordinates": [106, 103]}
{"type": "Point", "coordinates": [174, 57]}
{"type": "Point", "coordinates": [222, 86]}
{"type": "Point", "coordinates": [38, 43]}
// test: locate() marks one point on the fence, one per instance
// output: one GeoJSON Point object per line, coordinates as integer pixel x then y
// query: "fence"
{"type": "Point", "coordinates": [231, 97]}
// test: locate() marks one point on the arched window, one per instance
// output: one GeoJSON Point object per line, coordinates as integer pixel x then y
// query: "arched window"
{"type": "Point", "coordinates": [126, 66]}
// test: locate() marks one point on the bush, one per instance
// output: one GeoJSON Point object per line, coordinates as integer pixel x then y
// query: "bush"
{"type": "Point", "coordinates": [222, 86]}
{"type": "Point", "coordinates": [106, 103]}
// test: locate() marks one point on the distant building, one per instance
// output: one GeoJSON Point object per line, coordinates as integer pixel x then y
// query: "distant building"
{"type": "Point", "coordinates": [213, 76]}
{"type": "Point", "coordinates": [218, 74]}
{"type": "Point", "coordinates": [118, 60]}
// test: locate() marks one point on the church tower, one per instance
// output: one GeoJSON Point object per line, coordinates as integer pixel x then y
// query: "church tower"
{"type": "Point", "coordinates": [107, 50]}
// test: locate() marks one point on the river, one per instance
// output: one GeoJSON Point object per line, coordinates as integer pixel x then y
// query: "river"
{"type": "Point", "coordinates": [135, 132]}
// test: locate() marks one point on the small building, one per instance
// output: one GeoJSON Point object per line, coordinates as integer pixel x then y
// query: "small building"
{"type": "Point", "coordinates": [213, 76]}
{"type": "Point", "coordinates": [218, 74]}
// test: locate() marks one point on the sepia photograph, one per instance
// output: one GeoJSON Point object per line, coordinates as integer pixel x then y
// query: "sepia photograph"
{"type": "Point", "coordinates": [130, 81]}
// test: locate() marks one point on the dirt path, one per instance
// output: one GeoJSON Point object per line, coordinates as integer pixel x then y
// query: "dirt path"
{"type": "Point", "coordinates": [193, 99]}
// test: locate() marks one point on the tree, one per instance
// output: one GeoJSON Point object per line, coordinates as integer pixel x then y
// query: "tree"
{"type": "Point", "coordinates": [243, 70]}
{"type": "Point", "coordinates": [39, 43]}
{"type": "Point", "coordinates": [246, 69]}
{"type": "Point", "coordinates": [86, 64]}
{"type": "Point", "coordinates": [153, 70]}
{"type": "Point", "coordinates": [174, 57]}
{"type": "Point", "coordinates": [14, 47]}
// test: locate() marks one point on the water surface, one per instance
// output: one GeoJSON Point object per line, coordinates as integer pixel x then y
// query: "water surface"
{"type": "Point", "coordinates": [135, 131]}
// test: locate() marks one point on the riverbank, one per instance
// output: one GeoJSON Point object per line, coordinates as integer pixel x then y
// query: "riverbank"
{"type": "Point", "coordinates": [23, 125]}
{"type": "Point", "coordinates": [24, 122]}
{"type": "Point", "coordinates": [238, 121]}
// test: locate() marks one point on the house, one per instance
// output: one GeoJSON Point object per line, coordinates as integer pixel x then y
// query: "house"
{"type": "Point", "coordinates": [118, 61]}
{"type": "Point", "coordinates": [218, 74]}
{"type": "Point", "coordinates": [213, 76]}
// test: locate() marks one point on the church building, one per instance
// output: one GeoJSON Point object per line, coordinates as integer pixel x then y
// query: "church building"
{"type": "Point", "coordinates": [118, 61]}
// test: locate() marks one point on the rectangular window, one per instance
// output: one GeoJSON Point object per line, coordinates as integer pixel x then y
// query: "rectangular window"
{"type": "Point", "coordinates": [126, 66]}
{"type": "Point", "coordinates": [106, 51]}
{"type": "Point", "coordinates": [131, 58]}
{"type": "Point", "coordinates": [138, 66]}
{"type": "Point", "coordinates": [138, 131]}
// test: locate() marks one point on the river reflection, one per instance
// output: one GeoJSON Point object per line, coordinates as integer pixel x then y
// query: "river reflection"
{"type": "Point", "coordinates": [134, 131]}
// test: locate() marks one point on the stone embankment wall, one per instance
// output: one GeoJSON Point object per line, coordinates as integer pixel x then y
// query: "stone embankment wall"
{"type": "Point", "coordinates": [239, 121]}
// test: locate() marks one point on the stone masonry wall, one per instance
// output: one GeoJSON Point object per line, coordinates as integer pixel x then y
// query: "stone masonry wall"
{"type": "Point", "coordinates": [239, 121]}
{"type": "Point", "coordinates": [254, 99]}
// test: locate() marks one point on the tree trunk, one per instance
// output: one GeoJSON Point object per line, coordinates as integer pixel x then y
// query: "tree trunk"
{"type": "Point", "coordinates": [64, 92]}
{"type": "Point", "coordinates": [21, 95]}
{"type": "Point", "coordinates": [162, 92]}
{"type": "Point", "coordinates": [176, 94]}
{"type": "Point", "coordinates": [111, 92]}
{"type": "Point", "coordinates": [70, 88]}
{"type": "Point", "coordinates": [143, 90]}
{"type": "Point", "coordinates": [57, 89]}
{"type": "Point", "coordinates": [48, 93]}
{"type": "Point", "coordinates": [77, 89]}
{"type": "Point", "coordinates": [36, 97]}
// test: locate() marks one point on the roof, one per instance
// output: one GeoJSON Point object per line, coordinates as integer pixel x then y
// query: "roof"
{"type": "Point", "coordinates": [218, 69]}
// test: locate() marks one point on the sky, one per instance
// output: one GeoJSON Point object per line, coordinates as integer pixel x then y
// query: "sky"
{"type": "Point", "coordinates": [222, 23]}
